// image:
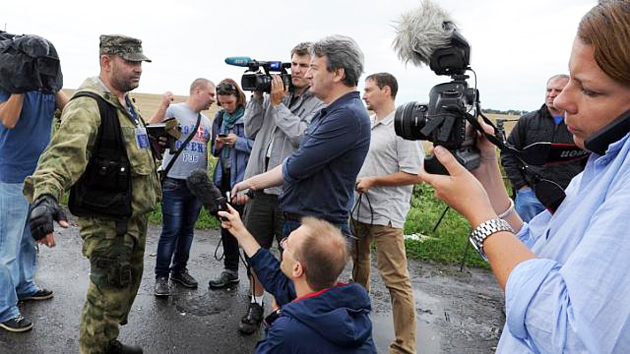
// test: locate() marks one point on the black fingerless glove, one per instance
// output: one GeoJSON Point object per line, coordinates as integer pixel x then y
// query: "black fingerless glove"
{"type": "Point", "coordinates": [45, 210]}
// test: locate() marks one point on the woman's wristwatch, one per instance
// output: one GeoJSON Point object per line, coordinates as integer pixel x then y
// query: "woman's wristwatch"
{"type": "Point", "coordinates": [487, 228]}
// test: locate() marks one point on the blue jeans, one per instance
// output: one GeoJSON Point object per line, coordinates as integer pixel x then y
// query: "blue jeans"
{"type": "Point", "coordinates": [180, 210]}
{"type": "Point", "coordinates": [526, 204]}
{"type": "Point", "coordinates": [18, 253]}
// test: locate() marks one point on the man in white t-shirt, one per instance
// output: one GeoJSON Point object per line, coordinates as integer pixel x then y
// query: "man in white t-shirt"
{"type": "Point", "coordinates": [180, 209]}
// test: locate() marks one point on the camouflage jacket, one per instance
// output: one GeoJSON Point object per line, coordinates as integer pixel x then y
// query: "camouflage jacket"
{"type": "Point", "coordinates": [66, 157]}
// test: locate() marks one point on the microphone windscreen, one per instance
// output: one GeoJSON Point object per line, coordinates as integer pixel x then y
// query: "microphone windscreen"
{"type": "Point", "coordinates": [238, 61]}
{"type": "Point", "coordinates": [201, 187]}
{"type": "Point", "coordinates": [420, 32]}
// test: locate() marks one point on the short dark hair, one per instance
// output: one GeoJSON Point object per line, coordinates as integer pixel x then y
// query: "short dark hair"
{"type": "Point", "coordinates": [303, 48]}
{"type": "Point", "coordinates": [199, 83]}
{"type": "Point", "coordinates": [341, 52]}
{"type": "Point", "coordinates": [323, 253]}
{"type": "Point", "coordinates": [230, 87]}
{"type": "Point", "coordinates": [385, 79]}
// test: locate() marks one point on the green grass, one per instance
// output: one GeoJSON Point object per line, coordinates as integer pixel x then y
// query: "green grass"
{"type": "Point", "coordinates": [446, 245]}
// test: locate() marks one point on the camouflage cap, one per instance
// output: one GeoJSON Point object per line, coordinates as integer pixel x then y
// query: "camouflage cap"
{"type": "Point", "coordinates": [127, 47]}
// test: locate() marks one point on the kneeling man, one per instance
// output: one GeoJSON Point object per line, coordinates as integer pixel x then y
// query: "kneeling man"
{"type": "Point", "coordinates": [317, 314]}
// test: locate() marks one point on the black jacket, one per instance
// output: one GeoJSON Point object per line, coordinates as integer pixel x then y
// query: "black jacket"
{"type": "Point", "coordinates": [535, 127]}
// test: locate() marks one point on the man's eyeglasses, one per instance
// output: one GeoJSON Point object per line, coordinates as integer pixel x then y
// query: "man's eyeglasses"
{"type": "Point", "coordinates": [283, 245]}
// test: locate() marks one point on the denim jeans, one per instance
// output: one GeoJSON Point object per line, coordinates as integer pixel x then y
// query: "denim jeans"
{"type": "Point", "coordinates": [18, 253]}
{"type": "Point", "coordinates": [180, 210]}
{"type": "Point", "coordinates": [526, 204]}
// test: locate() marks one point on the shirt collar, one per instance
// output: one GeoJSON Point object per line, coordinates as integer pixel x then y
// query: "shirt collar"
{"type": "Point", "coordinates": [385, 121]}
{"type": "Point", "coordinates": [340, 101]}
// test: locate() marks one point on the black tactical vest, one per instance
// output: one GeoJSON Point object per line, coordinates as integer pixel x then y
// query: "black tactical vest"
{"type": "Point", "coordinates": [104, 189]}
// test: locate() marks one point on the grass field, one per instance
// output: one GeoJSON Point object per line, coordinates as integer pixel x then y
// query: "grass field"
{"type": "Point", "coordinates": [447, 244]}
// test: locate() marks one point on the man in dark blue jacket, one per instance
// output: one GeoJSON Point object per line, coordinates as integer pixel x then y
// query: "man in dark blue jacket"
{"type": "Point", "coordinates": [319, 178]}
{"type": "Point", "coordinates": [317, 314]}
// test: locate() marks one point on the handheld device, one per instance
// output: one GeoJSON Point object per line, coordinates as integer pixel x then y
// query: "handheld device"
{"type": "Point", "coordinates": [599, 142]}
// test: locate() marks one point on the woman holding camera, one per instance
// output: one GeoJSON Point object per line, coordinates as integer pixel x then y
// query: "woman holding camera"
{"type": "Point", "coordinates": [232, 148]}
{"type": "Point", "coordinates": [565, 276]}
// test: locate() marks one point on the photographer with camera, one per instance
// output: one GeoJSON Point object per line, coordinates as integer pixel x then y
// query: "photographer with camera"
{"type": "Point", "coordinates": [26, 118]}
{"type": "Point", "coordinates": [276, 121]}
{"type": "Point", "coordinates": [544, 125]}
{"type": "Point", "coordinates": [180, 208]}
{"type": "Point", "coordinates": [565, 276]}
{"type": "Point", "coordinates": [316, 313]}
{"type": "Point", "coordinates": [384, 188]}
{"type": "Point", "coordinates": [232, 148]}
{"type": "Point", "coordinates": [101, 153]}
{"type": "Point", "coordinates": [318, 179]}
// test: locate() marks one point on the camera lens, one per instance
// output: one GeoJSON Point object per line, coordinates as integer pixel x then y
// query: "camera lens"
{"type": "Point", "coordinates": [410, 118]}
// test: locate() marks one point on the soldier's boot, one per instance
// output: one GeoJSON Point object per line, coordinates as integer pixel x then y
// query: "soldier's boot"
{"type": "Point", "coordinates": [118, 348]}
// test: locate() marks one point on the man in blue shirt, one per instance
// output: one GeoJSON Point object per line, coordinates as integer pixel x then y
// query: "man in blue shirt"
{"type": "Point", "coordinates": [26, 121]}
{"type": "Point", "coordinates": [316, 313]}
{"type": "Point", "coordinates": [318, 179]}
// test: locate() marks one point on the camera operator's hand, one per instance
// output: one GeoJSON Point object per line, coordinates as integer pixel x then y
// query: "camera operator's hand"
{"type": "Point", "coordinates": [460, 189]}
{"type": "Point", "coordinates": [278, 91]}
{"type": "Point", "coordinates": [364, 184]}
{"type": "Point", "coordinates": [45, 210]}
{"type": "Point", "coordinates": [240, 198]}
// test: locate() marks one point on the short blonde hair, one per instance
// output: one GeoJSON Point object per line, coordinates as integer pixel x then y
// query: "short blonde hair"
{"type": "Point", "coordinates": [322, 252]}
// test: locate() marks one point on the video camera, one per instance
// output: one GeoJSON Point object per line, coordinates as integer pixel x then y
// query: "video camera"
{"type": "Point", "coordinates": [255, 79]}
{"type": "Point", "coordinates": [448, 118]}
{"type": "Point", "coordinates": [168, 130]}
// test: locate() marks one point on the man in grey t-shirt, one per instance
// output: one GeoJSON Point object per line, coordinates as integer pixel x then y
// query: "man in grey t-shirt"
{"type": "Point", "coordinates": [384, 187]}
{"type": "Point", "coordinates": [180, 209]}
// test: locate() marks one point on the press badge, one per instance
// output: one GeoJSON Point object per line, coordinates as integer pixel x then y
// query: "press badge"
{"type": "Point", "coordinates": [142, 139]}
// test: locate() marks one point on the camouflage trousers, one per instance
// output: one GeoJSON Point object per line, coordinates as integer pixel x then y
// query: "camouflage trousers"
{"type": "Point", "coordinates": [116, 265]}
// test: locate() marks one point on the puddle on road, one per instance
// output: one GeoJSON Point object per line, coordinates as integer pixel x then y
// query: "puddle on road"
{"type": "Point", "coordinates": [427, 341]}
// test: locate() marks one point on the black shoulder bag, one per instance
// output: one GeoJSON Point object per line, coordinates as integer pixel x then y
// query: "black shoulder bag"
{"type": "Point", "coordinates": [164, 172]}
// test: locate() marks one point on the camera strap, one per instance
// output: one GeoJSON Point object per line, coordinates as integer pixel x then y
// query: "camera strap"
{"type": "Point", "coordinates": [549, 193]}
{"type": "Point", "coordinates": [164, 172]}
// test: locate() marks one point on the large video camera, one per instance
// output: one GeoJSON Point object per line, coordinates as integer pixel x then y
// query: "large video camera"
{"type": "Point", "coordinates": [255, 79]}
{"type": "Point", "coordinates": [448, 118]}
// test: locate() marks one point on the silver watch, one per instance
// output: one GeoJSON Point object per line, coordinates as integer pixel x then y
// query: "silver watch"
{"type": "Point", "coordinates": [486, 229]}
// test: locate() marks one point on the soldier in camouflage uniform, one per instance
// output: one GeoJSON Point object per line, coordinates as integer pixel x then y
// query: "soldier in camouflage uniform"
{"type": "Point", "coordinates": [116, 259]}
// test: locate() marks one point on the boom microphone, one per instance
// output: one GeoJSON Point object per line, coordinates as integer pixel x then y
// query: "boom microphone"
{"type": "Point", "coordinates": [420, 32]}
{"type": "Point", "coordinates": [209, 195]}
{"type": "Point", "coordinates": [238, 61]}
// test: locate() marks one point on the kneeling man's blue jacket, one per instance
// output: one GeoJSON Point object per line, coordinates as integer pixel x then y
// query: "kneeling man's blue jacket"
{"type": "Point", "coordinates": [333, 320]}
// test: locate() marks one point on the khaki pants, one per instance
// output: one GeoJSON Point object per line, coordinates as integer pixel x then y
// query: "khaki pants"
{"type": "Point", "coordinates": [116, 265]}
{"type": "Point", "coordinates": [391, 261]}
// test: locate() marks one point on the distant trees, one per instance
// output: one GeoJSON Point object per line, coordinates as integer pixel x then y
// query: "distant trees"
{"type": "Point", "coordinates": [510, 112]}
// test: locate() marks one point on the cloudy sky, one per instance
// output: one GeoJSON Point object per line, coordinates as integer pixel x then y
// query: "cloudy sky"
{"type": "Point", "coordinates": [516, 44]}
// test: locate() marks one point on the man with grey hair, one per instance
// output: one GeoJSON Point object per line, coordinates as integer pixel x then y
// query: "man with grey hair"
{"type": "Point", "coordinates": [544, 125]}
{"type": "Point", "coordinates": [180, 208]}
{"type": "Point", "coordinates": [318, 179]}
{"type": "Point", "coordinates": [276, 122]}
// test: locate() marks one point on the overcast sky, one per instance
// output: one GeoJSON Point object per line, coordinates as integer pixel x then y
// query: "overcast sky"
{"type": "Point", "coordinates": [516, 44]}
